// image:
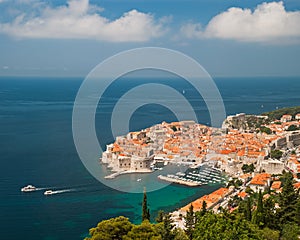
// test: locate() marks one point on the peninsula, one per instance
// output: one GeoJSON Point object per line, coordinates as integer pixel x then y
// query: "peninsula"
{"type": "Point", "coordinates": [263, 141]}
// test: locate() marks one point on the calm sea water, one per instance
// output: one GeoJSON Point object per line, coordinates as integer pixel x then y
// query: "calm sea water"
{"type": "Point", "coordinates": [36, 147]}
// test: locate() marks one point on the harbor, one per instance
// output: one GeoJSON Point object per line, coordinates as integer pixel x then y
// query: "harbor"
{"type": "Point", "coordinates": [195, 176]}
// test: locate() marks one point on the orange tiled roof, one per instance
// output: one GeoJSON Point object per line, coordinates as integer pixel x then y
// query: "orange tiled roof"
{"type": "Point", "coordinates": [242, 194]}
{"type": "Point", "coordinates": [260, 179]}
{"type": "Point", "coordinates": [116, 148]}
{"type": "Point", "coordinates": [297, 185]}
{"type": "Point", "coordinates": [210, 199]}
{"type": "Point", "coordinates": [276, 185]}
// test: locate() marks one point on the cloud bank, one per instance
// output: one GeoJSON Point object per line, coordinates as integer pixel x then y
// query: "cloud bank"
{"type": "Point", "coordinates": [269, 22]}
{"type": "Point", "coordinates": [79, 20]}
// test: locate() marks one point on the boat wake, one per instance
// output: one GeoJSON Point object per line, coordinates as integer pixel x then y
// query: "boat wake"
{"type": "Point", "coordinates": [64, 190]}
{"type": "Point", "coordinates": [40, 189]}
{"type": "Point", "coordinates": [54, 190]}
{"type": "Point", "coordinates": [60, 191]}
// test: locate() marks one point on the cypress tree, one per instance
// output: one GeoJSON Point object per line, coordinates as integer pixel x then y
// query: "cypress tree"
{"type": "Point", "coordinates": [298, 212]}
{"type": "Point", "coordinates": [203, 209]}
{"type": "Point", "coordinates": [287, 200]}
{"type": "Point", "coordinates": [204, 206]}
{"type": "Point", "coordinates": [190, 222]}
{"type": "Point", "coordinates": [248, 213]}
{"type": "Point", "coordinates": [269, 215]}
{"type": "Point", "coordinates": [145, 209]}
{"type": "Point", "coordinates": [288, 195]}
{"type": "Point", "coordinates": [258, 217]}
{"type": "Point", "coordinates": [168, 226]}
{"type": "Point", "coordinates": [260, 202]}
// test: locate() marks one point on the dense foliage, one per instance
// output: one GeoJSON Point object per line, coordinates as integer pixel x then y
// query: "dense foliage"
{"type": "Point", "coordinates": [293, 128]}
{"type": "Point", "coordinates": [248, 168]}
{"type": "Point", "coordinates": [265, 216]}
{"type": "Point", "coordinates": [273, 115]}
{"type": "Point", "coordinates": [224, 227]}
{"type": "Point", "coordinates": [276, 154]}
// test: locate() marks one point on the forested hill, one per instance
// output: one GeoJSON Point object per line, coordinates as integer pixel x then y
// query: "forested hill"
{"type": "Point", "coordinates": [276, 114]}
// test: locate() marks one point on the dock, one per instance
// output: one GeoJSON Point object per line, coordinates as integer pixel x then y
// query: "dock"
{"type": "Point", "coordinates": [179, 181]}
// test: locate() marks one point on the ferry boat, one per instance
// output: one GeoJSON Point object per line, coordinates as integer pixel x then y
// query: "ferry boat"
{"type": "Point", "coordinates": [48, 192]}
{"type": "Point", "coordinates": [28, 188]}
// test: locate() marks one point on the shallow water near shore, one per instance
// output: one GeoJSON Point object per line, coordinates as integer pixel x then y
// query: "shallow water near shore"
{"type": "Point", "coordinates": [37, 148]}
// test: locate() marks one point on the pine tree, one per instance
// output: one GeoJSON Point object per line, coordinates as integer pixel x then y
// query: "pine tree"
{"type": "Point", "coordinates": [248, 212]}
{"type": "Point", "coordinates": [260, 206]}
{"type": "Point", "coordinates": [145, 209]}
{"type": "Point", "coordinates": [160, 216]}
{"type": "Point", "coordinates": [190, 222]}
{"type": "Point", "coordinates": [258, 217]}
{"type": "Point", "coordinates": [288, 195]}
{"type": "Point", "coordinates": [204, 206]}
{"type": "Point", "coordinates": [203, 209]}
{"type": "Point", "coordinates": [298, 212]}
{"type": "Point", "coordinates": [287, 200]}
{"type": "Point", "coordinates": [168, 226]}
{"type": "Point", "coordinates": [269, 216]}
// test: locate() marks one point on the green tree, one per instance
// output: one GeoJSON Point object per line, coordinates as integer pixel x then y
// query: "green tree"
{"type": "Point", "coordinates": [112, 229]}
{"type": "Point", "coordinates": [180, 234]}
{"type": "Point", "coordinates": [204, 208]}
{"type": "Point", "coordinates": [248, 190]}
{"type": "Point", "coordinates": [245, 207]}
{"type": "Point", "coordinates": [292, 128]}
{"type": "Point", "coordinates": [145, 209]}
{"type": "Point", "coordinates": [144, 231]}
{"type": "Point", "coordinates": [248, 168]}
{"type": "Point", "coordinates": [287, 200]}
{"type": "Point", "coordinates": [174, 128]}
{"type": "Point", "coordinates": [290, 231]}
{"type": "Point", "coordinates": [234, 201]}
{"type": "Point", "coordinates": [160, 216]}
{"type": "Point", "coordinates": [276, 154]}
{"type": "Point", "coordinates": [220, 227]}
{"type": "Point", "coordinates": [269, 214]}
{"type": "Point", "coordinates": [269, 234]}
{"type": "Point", "coordinates": [168, 233]}
{"type": "Point", "coordinates": [298, 211]}
{"type": "Point", "coordinates": [190, 222]}
{"type": "Point", "coordinates": [258, 215]}
{"type": "Point", "coordinates": [166, 228]}
{"type": "Point", "coordinates": [265, 130]}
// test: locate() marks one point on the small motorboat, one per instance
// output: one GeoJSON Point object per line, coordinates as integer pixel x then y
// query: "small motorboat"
{"type": "Point", "coordinates": [48, 192]}
{"type": "Point", "coordinates": [28, 188]}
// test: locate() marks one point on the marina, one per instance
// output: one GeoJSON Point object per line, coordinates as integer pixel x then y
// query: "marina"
{"type": "Point", "coordinates": [196, 176]}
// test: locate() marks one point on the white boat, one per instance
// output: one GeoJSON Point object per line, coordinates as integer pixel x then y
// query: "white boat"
{"type": "Point", "coordinates": [139, 179]}
{"type": "Point", "coordinates": [48, 192]}
{"type": "Point", "coordinates": [28, 188]}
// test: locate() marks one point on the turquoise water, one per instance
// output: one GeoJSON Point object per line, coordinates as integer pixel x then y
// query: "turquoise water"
{"type": "Point", "coordinates": [36, 147]}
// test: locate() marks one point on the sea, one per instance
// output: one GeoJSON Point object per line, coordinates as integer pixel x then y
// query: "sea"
{"type": "Point", "coordinates": [37, 147]}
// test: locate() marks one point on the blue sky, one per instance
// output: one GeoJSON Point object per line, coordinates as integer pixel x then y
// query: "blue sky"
{"type": "Point", "coordinates": [228, 38]}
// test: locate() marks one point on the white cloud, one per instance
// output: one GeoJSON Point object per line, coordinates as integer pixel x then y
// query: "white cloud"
{"type": "Point", "coordinates": [269, 22]}
{"type": "Point", "coordinates": [80, 20]}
